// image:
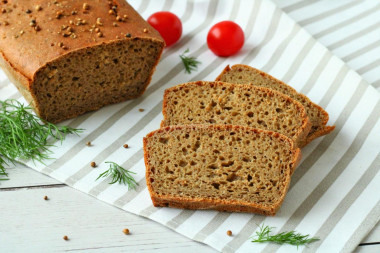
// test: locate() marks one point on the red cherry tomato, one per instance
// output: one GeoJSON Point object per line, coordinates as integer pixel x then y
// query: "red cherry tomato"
{"type": "Point", "coordinates": [168, 25]}
{"type": "Point", "coordinates": [225, 38]}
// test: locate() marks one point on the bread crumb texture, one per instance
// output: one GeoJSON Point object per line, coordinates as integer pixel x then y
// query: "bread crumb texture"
{"type": "Point", "coordinates": [224, 103]}
{"type": "Point", "coordinates": [219, 167]}
{"type": "Point", "coordinates": [243, 74]}
{"type": "Point", "coordinates": [91, 78]}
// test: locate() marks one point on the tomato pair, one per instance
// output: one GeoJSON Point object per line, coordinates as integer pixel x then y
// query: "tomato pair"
{"type": "Point", "coordinates": [224, 38]}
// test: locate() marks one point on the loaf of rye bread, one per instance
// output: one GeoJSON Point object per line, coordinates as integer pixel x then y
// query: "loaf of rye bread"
{"type": "Point", "coordinates": [221, 167]}
{"type": "Point", "coordinates": [74, 56]}
{"type": "Point", "coordinates": [236, 104]}
{"type": "Point", "coordinates": [244, 74]}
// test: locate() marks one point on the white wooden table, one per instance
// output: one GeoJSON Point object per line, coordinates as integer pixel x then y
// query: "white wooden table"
{"type": "Point", "coordinates": [31, 224]}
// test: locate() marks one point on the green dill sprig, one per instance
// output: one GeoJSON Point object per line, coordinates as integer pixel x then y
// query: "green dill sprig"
{"type": "Point", "coordinates": [119, 175]}
{"type": "Point", "coordinates": [291, 237]}
{"type": "Point", "coordinates": [3, 173]}
{"type": "Point", "coordinates": [23, 135]}
{"type": "Point", "coordinates": [191, 63]}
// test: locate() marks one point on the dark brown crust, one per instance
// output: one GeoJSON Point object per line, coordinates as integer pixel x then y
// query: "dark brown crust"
{"type": "Point", "coordinates": [20, 81]}
{"type": "Point", "coordinates": [321, 130]}
{"type": "Point", "coordinates": [217, 204]}
{"type": "Point", "coordinates": [39, 51]}
{"type": "Point", "coordinates": [301, 134]}
{"type": "Point", "coordinates": [324, 131]}
{"type": "Point", "coordinates": [24, 57]}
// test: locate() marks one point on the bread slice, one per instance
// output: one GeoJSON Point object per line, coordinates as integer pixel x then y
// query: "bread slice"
{"type": "Point", "coordinates": [221, 167]}
{"type": "Point", "coordinates": [235, 104]}
{"type": "Point", "coordinates": [244, 74]}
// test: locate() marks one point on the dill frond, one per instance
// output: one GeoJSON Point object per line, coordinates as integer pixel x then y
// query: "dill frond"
{"type": "Point", "coordinates": [119, 175]}
{"type": "Point", "coordinates": [291, 237]}
{"type": "Point", "coordinates": [191, 63]}
{"type": "Point", "coordinates": [23, 135]}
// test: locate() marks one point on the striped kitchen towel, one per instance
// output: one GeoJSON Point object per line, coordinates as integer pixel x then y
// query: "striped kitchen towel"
{"type": "Point", "coordinates": [350, 29]}
{"type": "Point", "coordinates": [334, 193]}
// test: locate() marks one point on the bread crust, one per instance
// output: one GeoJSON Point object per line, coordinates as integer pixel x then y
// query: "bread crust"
{"type": "Point", "coordinates": [217, 204]}
{"type": "Point", "coordinates": [39, 50]}
{"type": "Point", "coordinates": [16, 77]}
{"type": "Point", "coordinates": [302, 132]}
{"type": "Point", "coordinates": [321, 129]}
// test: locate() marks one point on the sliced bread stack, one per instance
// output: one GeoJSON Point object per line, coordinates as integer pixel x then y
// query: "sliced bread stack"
{"type": "Point", "coordinates": [204, 102]}
{"type": "Point", "coordinates": [228, 146]}
{"type": "Point", "coordinates": [243, 74]}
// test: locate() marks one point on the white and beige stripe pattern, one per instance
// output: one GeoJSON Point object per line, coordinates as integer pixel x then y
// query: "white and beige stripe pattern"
{"type": "Point", "coordinates": [350, 29]}
{"type": "Point", "coordinates": [334, 192]}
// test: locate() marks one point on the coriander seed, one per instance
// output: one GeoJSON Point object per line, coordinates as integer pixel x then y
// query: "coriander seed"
{"type": "Point", "coordinates": [141, 110]}
{"type": "Point", "coordinates": [59, 14]}
{"type": "Point", "coordinates": [229, 233]}
{"type": "Point", "coordinates": [88, 143]}
{"type": "Point", "coordinates": [93, 164]}
{"type": "Point", "coordinates": [99, 34]}
{"type": "Point", "coordinates": [28, 11]}
{"type": "Point", "coordinates": [46, 198]}
{"type": "Point", "coordinates": [126, 231]}
{"type": "Point", "coordinates": [125, 146]}
{"type": "Point", "coordinates": [118, 18]}
{"type": "Point", "coordinates": [145, 30]}
{"type": "Point", "coordinates": [99, 21]}
{"type": "Point", "coordinates": [65, 237]}
{"type": "Point", "coordinates": [38, 8]}
{"type": "Point", "coordinates": [86, 6]}
{"type": "Point", "coordinates": [32, 23]}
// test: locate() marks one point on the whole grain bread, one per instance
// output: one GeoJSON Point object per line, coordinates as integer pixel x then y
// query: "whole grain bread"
{"type": "Point", "coordinates": [244, 74]}
{"type": "Point", "coordinates": [236, 104]}
{"type": "Point", "coordinates": [70, 57]}
{"type": "Point", "coordinates": [221, 167]}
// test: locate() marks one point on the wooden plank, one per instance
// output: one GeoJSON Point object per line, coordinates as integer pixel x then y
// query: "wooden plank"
{"type": "Point", "coordinates": [374, 236]}
{"type": "Point", "coordinates": [91, 224]}
{"type": "Point", "coordinates": [29, 220]}
{"type": "Point", "coordinates": [368, 249]}
{"type": "Point", "coordinates": [21, 175]}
